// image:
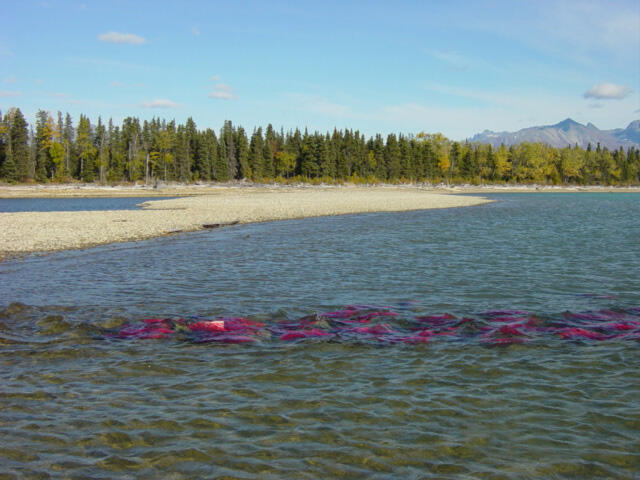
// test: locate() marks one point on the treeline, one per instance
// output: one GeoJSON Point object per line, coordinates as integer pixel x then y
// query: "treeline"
{"type": "Point", "coordinates": [59, 151]}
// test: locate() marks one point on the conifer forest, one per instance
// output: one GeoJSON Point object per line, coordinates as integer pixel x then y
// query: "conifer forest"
{"type": "Point", "coordinates": [58, 148]}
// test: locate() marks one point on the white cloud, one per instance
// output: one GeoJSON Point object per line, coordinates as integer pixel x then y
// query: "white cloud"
{"type": "Point", "coordinates": [160, 103]}
{"type": "Point", "coordinates": [216, 78]}
{"type": "Point", "coordinates": [116, 37]}
{"type": "Point", "coordinates": [116, 84]}
{"type": "Point", "coordinates": [8, 93]}
{"type": "Point", "coordinates": [222, 91]}
{"type": "Point", "coordinates": [608, 91]}
{"type": "Point", "coordinates": [195, 31]}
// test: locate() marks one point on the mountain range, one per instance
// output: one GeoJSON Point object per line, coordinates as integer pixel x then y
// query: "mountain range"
{"type": "Point", "coordinates": [567, 132]}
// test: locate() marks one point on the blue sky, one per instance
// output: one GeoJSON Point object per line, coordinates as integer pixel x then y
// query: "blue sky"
{"type": "Point", "coordinates": [455, 67]}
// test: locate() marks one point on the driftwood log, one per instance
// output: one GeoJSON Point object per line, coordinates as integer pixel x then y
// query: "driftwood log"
{"type": "Point", "coordinates": [218, 225]}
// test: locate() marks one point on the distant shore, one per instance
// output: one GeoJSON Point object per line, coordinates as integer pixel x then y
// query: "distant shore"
{"type": "Point", "coordinates": [54, 190]}
{"type": "Point", "coordinates": [198, 208]}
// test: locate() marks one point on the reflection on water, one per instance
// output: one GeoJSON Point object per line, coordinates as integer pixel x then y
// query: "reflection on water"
{"type": "Point", "coordinates": [87, 393]}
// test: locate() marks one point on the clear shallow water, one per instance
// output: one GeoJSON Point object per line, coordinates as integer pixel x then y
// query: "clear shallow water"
{"type": "Point", "coordinates": [72, 204]}
{"type": "Point", "coordinates": [77, 401]}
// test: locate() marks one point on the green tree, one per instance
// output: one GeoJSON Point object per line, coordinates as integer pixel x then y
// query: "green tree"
{"type": "Point", "coordinates": [131, 143]}
{"type": "Point", "coordinates": [101, 142]}
{"type": "Point", "coordinates": [285, 163]}
{"type": "Point", "coordinates": [501, 167]}
{"type": "Point", "coordinates": [267, 159]}
{"type": "Point", "coordinates": [571, 164]}
{"type": "Point", "coordinates": [8, 169]}
{"type": "Point", "coordinates": [18, 143]}
{"type": "Point", "coordinates": [406, 160]}
{"type": "Point", "coordinates": [256, 155]}
{"type": "Point", "coordinates": [45, 129]}
{"type": "Point", "coordinates": [86, 149]}
{"type": "Point", "coordinates": [321, 154]}
{"type": "Point", "coordinates": [56, 152]}
{"type": "Point", "coordinates": [393, 158]}
{"type": "Point", "coordinates": [68, 141]}
{"type": "Point", "coordinates": [228, 145]}
{"type": "Point", "coordinates": [211, 141]}
{"type": "Point", "coordinates": [221, 167]}
{"type": "Point", "coordinates": [182, 154]}
{"type": "Point", "coordinates": [378, 148]}
{"type": "Point", "coordinates": [609, 173]}
{"type": "Point", "coordinates": [117, 154]}
{"type": "Point", "coordinates": [268, 152]}
{"type": "Point", "coordinates": [308, 162]}
{"type": "Point", "coordinates": [242, 154]}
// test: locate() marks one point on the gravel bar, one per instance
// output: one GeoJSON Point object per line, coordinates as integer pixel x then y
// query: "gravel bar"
{"type": "Point", "coordinates": [27, 232]}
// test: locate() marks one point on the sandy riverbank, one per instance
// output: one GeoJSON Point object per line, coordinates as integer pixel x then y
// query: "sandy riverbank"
{"type": "Point", "coordinates": [49, 231]}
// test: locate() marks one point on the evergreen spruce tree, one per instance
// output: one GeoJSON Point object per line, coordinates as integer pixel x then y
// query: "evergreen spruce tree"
{"type": "Point", "coordinates": [43, 140]}
{"type": "Point", "coordinates": [227, 139]}
{"type": "Point", "coordinates": [190, 164]}
{"type": "Point", "coordinates": [321, 154]}
{"type": "Point", "coordinates": [86, 149]}
{"type": "Point", "coordinates": [393, 158]}
{"type": "Point", "coordinates": [407, 171]}
{"type": "Point", "coordinates": [308, 162]}
{"type": "Point", "coordinates": [221, 167]}
{"type": "Point", "coordinates": [182, 160]}
{"type": "Point", "coordinates": [379, 156]}
{"type": "Point", "coordinates": [268, 152]}
{"type": "Point", "coordinates": [101, 142]}
{"type": "Point", "coordinates": [8, 171]}
{"type": "Point", "coordinates": [202, 158]}
{"type": "Point", "coordinates": [212, 150]}
{"type": "Point", "coordinates": [327, 157]}
{"type": "Point", "coordinates": [18, 145]}
{"type": "Point", "coordinates": [131, 133]}
{"type": "Point", "coordinates": [68, 141]}
{"type": "Point", "coordinates": [242, 154]}
{"type": "Point", "coordinates": [3, 142]}
{"type": "Point", "coordinates": [267, 160]}
{"type": "Point", "coordinates": [256, 155]}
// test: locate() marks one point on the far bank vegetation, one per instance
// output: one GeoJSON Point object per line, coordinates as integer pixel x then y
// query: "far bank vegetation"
{"type": "Point", "coordinates": [57, 150]}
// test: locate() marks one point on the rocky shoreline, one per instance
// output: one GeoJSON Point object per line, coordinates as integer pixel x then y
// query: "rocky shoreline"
{"type": "Point", "coordinates": [54, 190]}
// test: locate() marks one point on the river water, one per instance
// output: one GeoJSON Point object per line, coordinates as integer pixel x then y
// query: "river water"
{"type": "Point", "coordinates": [496, 341]}
{"type": "Point", "coordinates": [72, 204]}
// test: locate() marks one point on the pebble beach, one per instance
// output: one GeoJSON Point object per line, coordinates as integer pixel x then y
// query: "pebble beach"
{"type": "Point", "coordinates": [197, 209]}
